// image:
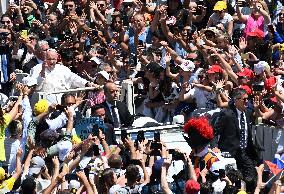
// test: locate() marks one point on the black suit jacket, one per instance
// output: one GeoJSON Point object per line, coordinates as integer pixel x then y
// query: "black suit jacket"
{"type": "Point", "coordinates": [110, 134]}
{"type": "Point", "coordinates": [126, 119]}
{"type": "Point", "coordinates": [229, 132]}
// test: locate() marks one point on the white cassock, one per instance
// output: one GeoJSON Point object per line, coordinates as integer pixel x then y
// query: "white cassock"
{"type": "Point", "coordinates": [58, 79]}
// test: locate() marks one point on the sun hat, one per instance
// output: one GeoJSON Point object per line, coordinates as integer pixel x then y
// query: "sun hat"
{"type": "Point", "coordinates": [220, 5]}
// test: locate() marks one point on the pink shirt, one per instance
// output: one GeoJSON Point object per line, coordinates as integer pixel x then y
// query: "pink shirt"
{"type": "Point", "coordinates": [253, 23]}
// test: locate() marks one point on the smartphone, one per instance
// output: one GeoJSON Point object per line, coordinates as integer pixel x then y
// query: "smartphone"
{"type": "Point", "coordinates": [70, 177]}
{"type": "Point", "coordinates": [123, 135]}
{"type": "Point", "coordinates": [156, 146]}
{"type": "Point", "coordinates": [140, 136]}
{"type": "Point", "coordinates": [222, 173]}
{"type": "Point", "coordinates": [95, 130]}
{"type": "Point", "coordinates": [265, 176]}
{"type": "Point", "coordinates": [140, 43]}
{"type": "Point", "coordinates": [96, 150]}
{"type": "Point", "coordinates": [95, 32]}
{"type": "Point", "coordinates": [60, 107]}
{"type": "Point", "coordinates": [157, 137]}
{"type": "Point", "coordinates": [24, 34]}
{"type": "Point", "coordinates": [258, 88]}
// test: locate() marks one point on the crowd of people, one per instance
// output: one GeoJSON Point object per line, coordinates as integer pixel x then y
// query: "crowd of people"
{"type": "Point", "coordinates": [219, 64]}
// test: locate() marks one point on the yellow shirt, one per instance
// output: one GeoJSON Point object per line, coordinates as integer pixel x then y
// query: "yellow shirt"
{"type": "Point", "coordinates": [7, 120]}
{"type": "Point", "coordinates": [7, 184]}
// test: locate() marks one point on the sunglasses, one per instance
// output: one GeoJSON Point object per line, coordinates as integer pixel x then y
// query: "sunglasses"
{"type": "Point", "coordinates": [5, 22]}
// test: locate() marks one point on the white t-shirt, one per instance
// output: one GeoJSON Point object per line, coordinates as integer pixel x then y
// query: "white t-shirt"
{"type": "Point", "coordinates": [225, 20]}
{"type": "Point", "coordinates": [113, 189]}
{"type": "Point", "coordinates": [202, 98]}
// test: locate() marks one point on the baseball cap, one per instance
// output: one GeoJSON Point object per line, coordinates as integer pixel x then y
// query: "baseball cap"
{"type": "Point", "coordinates": [259, 67]}
{"type": "Point", "coordinates": [219, 6]}
{"type": "Point", "coordinates": [246, 73]}
{"type": "Point", "coordinates": [216, 166]}
{"type": "Point", "coordinates": [104, 74]}
{"type": "Point", "coordinates": [192, 187]}
{"type": "Point", "coordinates": [73, 184]}
{"type": "Point", "coordinates": [256, 33]}
{"type": "Point", "coordinates": [29, 81]}
{"type": "Point", "coordinates": [187, 65]}
{"type": "Point", "coordinates": [247, 89]}
{"type": "Point", "coordinates": [215, 69]}
{"type": "Point", "coordinates": [96, 60]}
{"type": "Point", "coordinates": [41, 106]}
{"type": "Point", "coordinates": [64, 148]}
{"type": "Point", "coordinates": [270, 83]}
{"type": "Point", "coordinates": [37, 163]}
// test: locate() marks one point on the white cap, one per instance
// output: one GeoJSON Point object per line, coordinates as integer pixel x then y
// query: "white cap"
{"type": "Point", "coordinates": [104, 74]}
{"type": "Point", "coordinates": [259, 67]}
{"type": "Point", "coordinates": [64, 148]}
{"type": "Point", "coordinates": [187, 65]}
{"type": "Point", "coordinates": [29, 81]}
{"type": "Point", "coordinates": [96, 60]}
{"type": "Point", "coordinates": [178, 119]}
{"type": "Point", "coordinates": [73, 184]}
{"type": "Point", "coordinates": [216, 166]}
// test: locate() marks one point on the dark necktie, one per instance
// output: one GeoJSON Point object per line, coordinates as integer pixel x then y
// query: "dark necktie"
{"type": "Point", "coordinates": [4, 68]}
{"type": "Point", "coordinates": [243, 143]}
{"type": "Point", "coordinates": [115, 117]}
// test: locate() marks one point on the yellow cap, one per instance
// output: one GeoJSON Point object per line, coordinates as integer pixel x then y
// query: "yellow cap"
{"type": "Point", "coordinates": [282, 47]}
{"type": "Point", "coordinates": [220, 5]}
{"type": "Point", "coordinates": [41, 106]}
{"type": "Point", "coordinates": [2, 174]}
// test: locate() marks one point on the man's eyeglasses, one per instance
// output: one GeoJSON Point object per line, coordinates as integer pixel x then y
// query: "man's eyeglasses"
{"type": "Point", "coordinates": [220, 11]}
{"type": "Point", "coordinates": [281, 14]}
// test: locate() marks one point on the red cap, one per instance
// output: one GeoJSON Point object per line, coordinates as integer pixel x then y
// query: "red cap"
{"type": "Point", "coordinates": [246, 73]}
{"type": "Point", "coordinates": [247, 89]}
{"type": "Point", "coordinates": [270, 83]}
{"type": "Point", "coordinates": [192, 187]}
{"type": "Point", "coordinates": [215, 69]}
{"type": "Point", "coordinates": [256, 33]}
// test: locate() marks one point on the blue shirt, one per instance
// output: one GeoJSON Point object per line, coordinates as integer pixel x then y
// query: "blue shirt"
{"type": "Point", "coordinates": [146, 37]}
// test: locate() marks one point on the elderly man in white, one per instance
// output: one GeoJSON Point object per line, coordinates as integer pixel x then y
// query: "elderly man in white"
{"type": "Point", "coordinates": [53, 77]}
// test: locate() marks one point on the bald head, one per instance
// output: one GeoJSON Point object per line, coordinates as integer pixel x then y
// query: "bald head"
{"type": "Point", "coordinates": [111, 92]}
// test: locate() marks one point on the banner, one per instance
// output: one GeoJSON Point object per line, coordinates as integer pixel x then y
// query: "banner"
{"type": "Point", "coordinates": [87, 126]}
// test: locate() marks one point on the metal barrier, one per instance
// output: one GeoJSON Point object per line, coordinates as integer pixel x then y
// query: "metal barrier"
{"type": "Point", "coordinates": [126, 94]}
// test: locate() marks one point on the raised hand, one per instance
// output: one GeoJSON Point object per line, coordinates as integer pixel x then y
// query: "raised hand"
{"type": "Point", "coordinates": [219, 84]}
{"type": "Point", "coordinates": [55, 161]}
{"type": "Point", "coordinates": [242, 43]}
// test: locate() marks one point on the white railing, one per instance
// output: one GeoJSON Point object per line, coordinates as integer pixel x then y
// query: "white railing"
{"type": "Point", "coordinates": [126, 94]}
